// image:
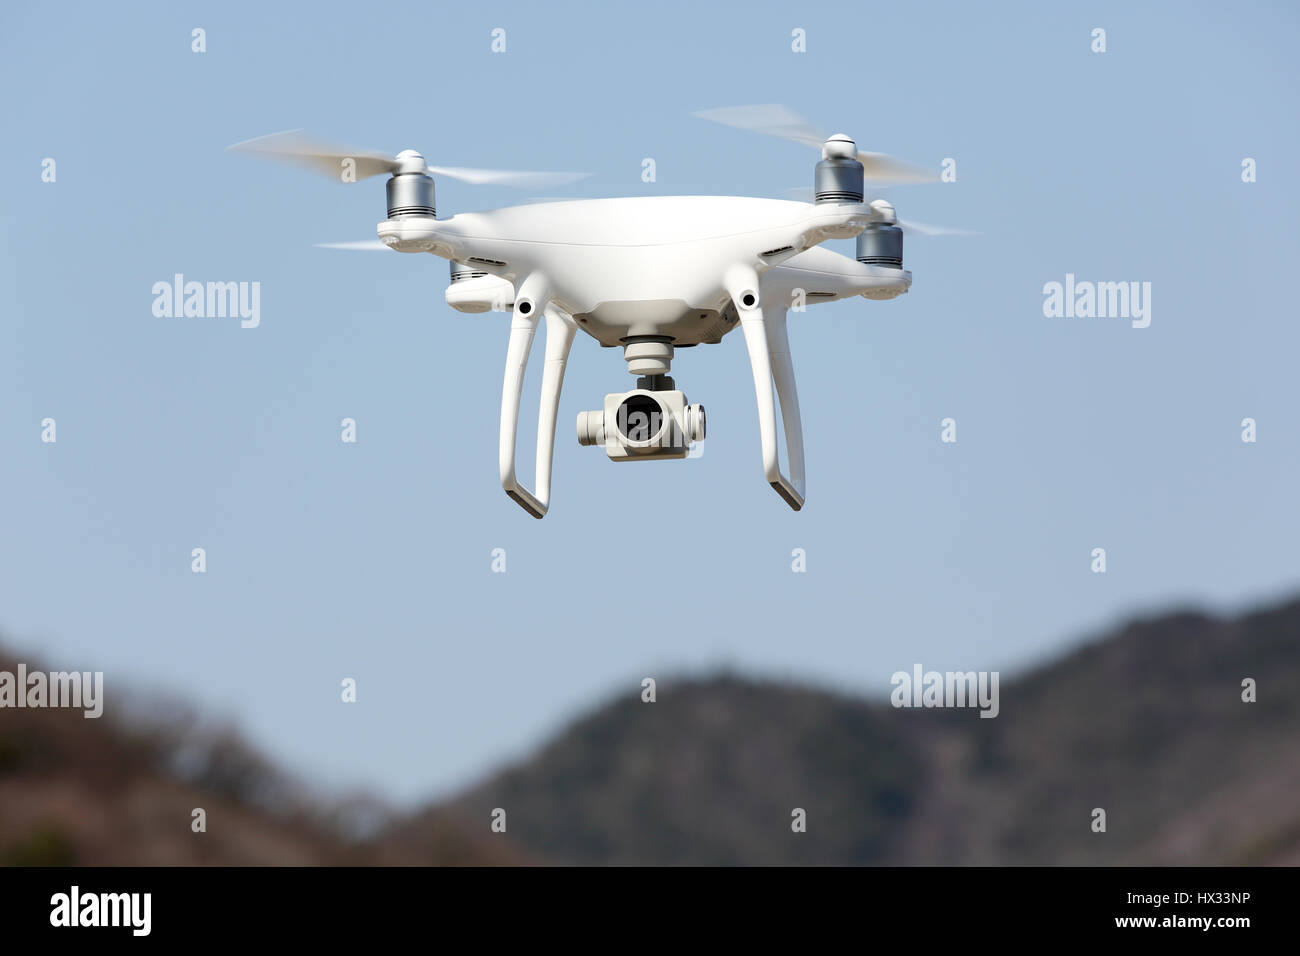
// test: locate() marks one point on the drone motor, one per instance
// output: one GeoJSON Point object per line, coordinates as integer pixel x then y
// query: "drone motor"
{"type": "Point", "coordinates": [409, 195]}
{"type": "Point", "coordinates": [881, 244]}
{"type": "Point", "coordinates": [839, 177]}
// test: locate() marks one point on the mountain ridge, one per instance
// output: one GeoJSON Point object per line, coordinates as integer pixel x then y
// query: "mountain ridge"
{"type": "Point", "coordinates": [1146, 722]}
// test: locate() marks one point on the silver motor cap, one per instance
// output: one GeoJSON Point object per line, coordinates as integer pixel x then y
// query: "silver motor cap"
{"type": "Point", "coordinates": [838, 180]}
{"type": "Point", "coordinates": [411, 194]}
{"type": "Point", "coordinates": [881, 245]}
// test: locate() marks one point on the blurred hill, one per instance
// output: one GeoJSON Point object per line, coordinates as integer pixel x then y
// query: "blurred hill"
{"type": "Point", "coordinates": [1147, 723]}
{"type": "Point", "coordinates": [119, 790]}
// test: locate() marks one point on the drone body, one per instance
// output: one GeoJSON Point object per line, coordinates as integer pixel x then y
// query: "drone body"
{"type": "Point", "coordinates": [807, 278]}
{"type": "Point", "coordinates": [648, 274]}
{"type": "Point", "coordinates": [650, 266]}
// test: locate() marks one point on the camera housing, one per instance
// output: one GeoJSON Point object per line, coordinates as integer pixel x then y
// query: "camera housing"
{"type": "Point", "coordinates": [643, 425]}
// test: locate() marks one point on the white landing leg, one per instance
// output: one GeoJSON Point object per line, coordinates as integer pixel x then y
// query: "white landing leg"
{"type": "Point", "coordinates": [769, 358]}
{"type": "Point", "coordinates": [532, 301]}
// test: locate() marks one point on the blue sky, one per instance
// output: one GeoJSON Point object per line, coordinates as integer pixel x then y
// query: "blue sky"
{"type": "Point", "coordinates": [372, 560]}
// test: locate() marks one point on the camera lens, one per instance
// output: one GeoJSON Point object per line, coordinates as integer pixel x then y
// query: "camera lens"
{"type": "Point", "coordinates": [640, 419]}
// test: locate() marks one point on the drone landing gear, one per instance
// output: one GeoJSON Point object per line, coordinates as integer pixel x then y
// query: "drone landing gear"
{"type": "Point", "coordinates": [769, 358]}
{"type": "Point", "coordinates": [533, 300]}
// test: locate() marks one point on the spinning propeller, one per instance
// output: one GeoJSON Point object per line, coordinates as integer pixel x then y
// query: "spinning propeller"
{"type": "Point", "coordinates": [359, 245]}
{"type": "Point", "coordinates": [330, 159]}
{"type": "Point", "coordinates": [910, 226]}
{"type": "Point", "coordinates": [775, 120]}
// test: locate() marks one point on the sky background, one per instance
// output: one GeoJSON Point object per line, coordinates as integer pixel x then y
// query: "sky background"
{"type": "Point", "coordinates": [327, 560]}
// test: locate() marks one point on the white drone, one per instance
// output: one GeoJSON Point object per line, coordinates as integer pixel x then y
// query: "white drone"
{"type": "Point", "coordinates": [649, 274]}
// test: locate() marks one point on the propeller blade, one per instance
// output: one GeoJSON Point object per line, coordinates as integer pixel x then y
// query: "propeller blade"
{"type": "Point", "coordinates": [361, 245]}
{"type": "Point", "coordinates": [922, 229]}
{"type": "Point", "coordinates": [295, 146]}
{"type": "Point", "coordinates": [806, 194]}
{"type": "Point", "coordinates": [520, 178]}
{"type": "Point", "coordinates": [771, 119]}
{"type": "Point", "coordinates": [877, 167]}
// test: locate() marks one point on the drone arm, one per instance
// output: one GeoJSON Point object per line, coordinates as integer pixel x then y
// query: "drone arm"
{"type": "Point", "coordinates": [533, 299]}
{"type": "Point", "coordinates": [769, 358]}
